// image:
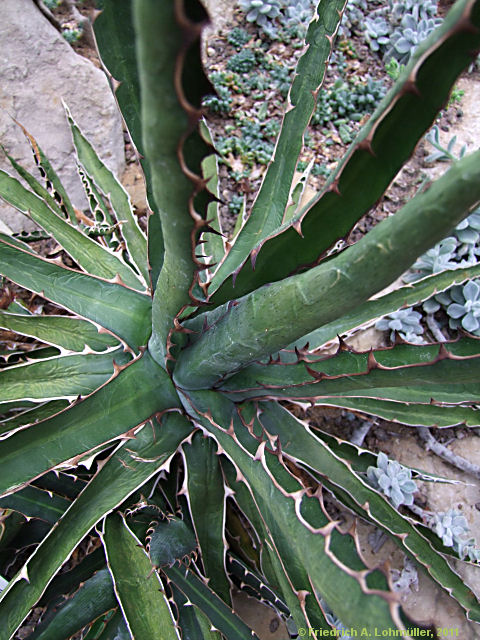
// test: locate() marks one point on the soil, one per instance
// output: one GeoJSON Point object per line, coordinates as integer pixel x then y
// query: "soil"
{"type": "Point", "coordinates": [424, 602]}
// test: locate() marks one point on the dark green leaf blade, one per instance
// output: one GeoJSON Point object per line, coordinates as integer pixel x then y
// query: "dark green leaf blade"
{"type": "Point", "coordinates": [140, 592]}
{"type": "Point", "coordinates": [206, 498]}
{"type": "Point", "coordinates": [123, 473]}
{"type": "Point", "coordinates": [140, 390]}
{"type": "Point", "coordinates": [193, 622]}
{"type": "Point", "coordinates": [198, 593]}
{"type": "Point", "coordinates": [115, 38]}
{"type": "Point", "coordinates": [320, 551]}
{"type": "Point", "coordinates": [124, 312]}
{"type": "Point", "coordinates": [411, 413]}
{"type": "Point", "coordinates": [36, 503]}
{"type": "Point", "coordinates": [35, 414]}
{"type": "Point", "coordinates": [94, 597]}
{"type": "Point", "coordinates": [73, 334]}
{"type": "Point", "coordinates": [413, 373]}
{"type": "Point", "coordinates": [119, 198]}
{"type": "Point", "coordinates": [169, 541]}
{"type": "Point", "coordinates": [90, 255]}
{"type": "Point", "coordinates": [168, 38]}
{"type": "Point", "coordinates": [59, 377]}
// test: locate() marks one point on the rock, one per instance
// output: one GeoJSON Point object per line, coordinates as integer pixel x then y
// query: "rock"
{"type": "Point", "coordinates": [221, 14]}
{"type": "Point", "coordinates": [38, 69]}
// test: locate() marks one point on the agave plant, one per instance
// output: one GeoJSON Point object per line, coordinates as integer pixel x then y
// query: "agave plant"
{"type": "Point", "coordinates": [151, 458]}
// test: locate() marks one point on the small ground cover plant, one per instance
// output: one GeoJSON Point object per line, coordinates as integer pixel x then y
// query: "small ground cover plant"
{"type": "Point", "coordinates": [151, 456]}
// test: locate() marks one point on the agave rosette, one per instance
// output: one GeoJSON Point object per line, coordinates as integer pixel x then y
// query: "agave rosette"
{"type": "Point", "coordinates": [145, 436]}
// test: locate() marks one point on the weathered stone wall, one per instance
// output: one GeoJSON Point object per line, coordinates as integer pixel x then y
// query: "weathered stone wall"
{"type": "Point", "coordinates": [37, 69]}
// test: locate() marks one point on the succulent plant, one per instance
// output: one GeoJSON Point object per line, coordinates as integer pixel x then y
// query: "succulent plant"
{"type": "Point", "coordinates": [350, 100]}
{"type": "Point", "coordinates": [377, 32]}
{"type": "Point", "coordinates": [393, 479]}
{"type": "Point", "coordinates": [238, 37]}
{"type": "Point", "coordinates": [468, 236]}
{"type": "Point", "coordinates": [398, 29]}
{"type": "Point", "coordinates": [441, 153]}
{"type": "Point", "coordinates": [242, 62]}
{"type": "Point", "coordinates": [420, 9]}
{"type": "Point", "coordinates": [219, 103]}
{"type": "Point", "coordinates": [405, 39]}
{"type": "Point", "coordinates": [464, 311]}
{"type": "Point", "coordinates": [405, 323]}
{"type": "Point", "coordinates": [261, 11]}
{"type": "Point", "coordinates": [436, 259]}
{"type": "Point", "coordinates": [297, 12]}
{"type": "Point", "coordinates": [451, 526]}
{"type": "Point", "coordinates": [353, 18]}
{"type": "Point", "coordinates": [144, 438]}
{"type": "Point", "coordinates": [72, 35]}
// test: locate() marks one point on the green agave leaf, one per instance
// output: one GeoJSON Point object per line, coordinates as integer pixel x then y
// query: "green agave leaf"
{"type": "Point", "coordinates": [93, 598]}
{"type": "Point", "coordinates": [97, 202]}
{"type": "Point", "coordinates": [45, 195]}
{"type": "Point", "coordinates": [140, 592]}
{"type": "Point", "coordinates": [30, 416]}
{"type": "Point", "coordinates": [281, 571]}
{"type": "Point", "coordinates": [428, 415]}
{"type": "Point", "coordinates": [329, 558]}
{"type": "Point", "coordinates": [124, 472]}
{"type": "Point", "coordinates": [114, 629]}
{"type": "Point", "coordinates": [422, 367]}
{"type": "Point", "coordinates": [21, 537]}
{"type": "Point", "coordinates": [115, 37]}
{"type": "Point", "coordinates": [289, 309]}
{"type": "Point", "coordinates": [253, 584]}
{"type": "Point", "coordinates": [67, 582]}
{"type": "Point", "coordinates": [63, 484]}
{"type": "Point", "coordinates": [298, 192]}
{"type": "Point", "coordinates": [360, 459]}
{"type": "Point", "coordinates": [94, 631]}
{"type": "Point", "coordinates": [17, 356]}
{"type": "Point", "coordinates": [199, 594]}
{"type": "Point", "coordinates": [192, 621]}
{"type": "Point", "coordinates": [140, 390]}
{"type": "Point", "coordinates": [104, 179]}
{"type": "Point", "coordinates": [206, 498]}
{"type": "Point", "coordinates": [169, 112]}
{"type": "Point", "coordinates": [213, 243]}
{"type": "Point", "coordinates": [268, 211]}
{"type": "Point", "coordinates": [33, 502]}
{"type": "Point", "coordinates": [170, 540]}
{"type": "Point", "coordinates": [366, 313]}
{"type": "Point", "coordinates": [91, 256]}
{"type": "Point", "coordinates": [73, 334]}
{"type": "Point", "coordinates": [383, 145]}
{"type": "Point", "coordinates": [17, 243]}
{"type": "Point", "coordinates": [302, 445]}
{"type": "Point", "coordinates": [51, 178]}
{"type": "Point", "coordinates": [124, 312]}
{"type": "Point", "coordinates": [59, 377]}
